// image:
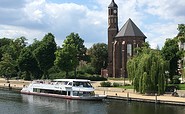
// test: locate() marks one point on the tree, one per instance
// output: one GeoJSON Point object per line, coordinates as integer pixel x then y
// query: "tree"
{"type": "Point", "coordinates": [7, 66]}
{"type": "Point", "coordinates": [170, 52]}
{"type": "Point", "coordinates": [4, 42]}
{"type": "Point", "coordinates": [181, 29]}
{"type": "Point", "coordinates": [99, 56]}
{"type": "Point", "coordinates": [181, 42]}
{"type": "Point", "coordinates": [73, 50]}
{"type": "Point", "coordinates": [45, 53]}
{"type": "Point", "coordinates": [147, 71]}
{"type": "Point", "coordinates": [35, 45]}
{"type": "Point", "coordinates": [11, 49]}
{"type": "Point", "coordinates": [27, 63]}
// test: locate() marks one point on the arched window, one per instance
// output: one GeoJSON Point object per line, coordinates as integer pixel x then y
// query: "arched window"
{"type": "Point", "coordinates": [129, 50]}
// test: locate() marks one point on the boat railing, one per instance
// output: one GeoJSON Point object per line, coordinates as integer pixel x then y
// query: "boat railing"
{"type": "Point", "coordinates": [48, 82]}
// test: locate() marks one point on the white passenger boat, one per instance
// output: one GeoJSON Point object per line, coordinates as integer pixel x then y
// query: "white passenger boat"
{"type": "Point", "coordinates": [63, 88]}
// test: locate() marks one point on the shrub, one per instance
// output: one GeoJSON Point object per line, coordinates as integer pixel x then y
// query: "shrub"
{"type": "Point", "coordinates": [115, 84]}
{"type": "Point", "coordinates": [127, 84]}
{"type": "Point", "coordinates": [92, 78]}
{"type": "Point", "coordinates": [105, 84]}
{"type": "Point", "coordinates": [176, 79]}
{"type": "Point", "coordinates": [97, 78]}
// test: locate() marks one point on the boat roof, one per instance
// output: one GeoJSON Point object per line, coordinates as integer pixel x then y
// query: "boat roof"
{"type": "Point", "coordinates": [71, 80]}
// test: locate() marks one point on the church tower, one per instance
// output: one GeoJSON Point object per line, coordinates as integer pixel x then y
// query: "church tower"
{"type": "Point", "coordinates": [121, 43]}
{"type": "Point", "coordinates": [112, 32]}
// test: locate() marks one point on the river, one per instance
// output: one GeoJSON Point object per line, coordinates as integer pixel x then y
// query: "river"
{"type": "Point", "coordinates": [12, 102]}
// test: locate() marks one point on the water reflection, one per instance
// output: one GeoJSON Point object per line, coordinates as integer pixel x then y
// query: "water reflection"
{"type": "Point", "coordinates": [64, 105]}
{"type": "Point", "coordinates": [15, 103]}
{"type": "Point", "coordinates": [124, 107]}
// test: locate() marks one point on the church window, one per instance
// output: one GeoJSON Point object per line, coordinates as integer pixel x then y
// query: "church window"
{"type": "Point", "coordinates": [111, 11]}
{"type": "Point", "coordinates": [129, 50]}
{"type": "Point", "coordinates": [114, 20]}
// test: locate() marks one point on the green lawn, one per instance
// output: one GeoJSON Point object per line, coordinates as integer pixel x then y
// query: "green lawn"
{"type": "Point", "coordinates": [126, 87]}
{"type": "Point", "coordinates": [181, 86]}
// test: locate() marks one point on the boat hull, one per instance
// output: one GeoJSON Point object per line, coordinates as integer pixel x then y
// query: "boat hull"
{"type": "Point", "coordinates": [86, 98]}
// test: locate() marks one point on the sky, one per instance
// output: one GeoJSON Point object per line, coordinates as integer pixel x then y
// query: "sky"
{"type": "Point", "coordinates": [157, 19]}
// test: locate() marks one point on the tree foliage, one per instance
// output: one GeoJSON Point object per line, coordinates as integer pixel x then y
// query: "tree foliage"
{"type": "Point", "coordinates": [4, 43]}
{"type": "Point", "coordinates": [27, 63]}
{"type": "Point", "coordinates": [181, 34]}
{"type": "Point", "coordinates": [181, 40]}
{"type": "Point", "coordinates": [99, 56]}
{"type": "Point", "coordinates": [44, 53]}
{"type": "Point", "coordinates": [170, 52]}
{"type": "Point", "coordinates": [73, 50]}
{"type": "Point", "coordinates": [147, 71]}
{"type": "Point", "coordinates": [7, 66]}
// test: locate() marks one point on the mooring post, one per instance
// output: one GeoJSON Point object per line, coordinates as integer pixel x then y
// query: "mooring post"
{"type": "Point", "coordinates": [155, 97]}
{"type": "Point", "coordinates": [127, 96]}
{"type": "Point", "coordinates": [9, 85]}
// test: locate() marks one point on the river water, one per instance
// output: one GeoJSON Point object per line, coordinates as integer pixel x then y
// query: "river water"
{"type": "Point", "coordinates": [12, 102]}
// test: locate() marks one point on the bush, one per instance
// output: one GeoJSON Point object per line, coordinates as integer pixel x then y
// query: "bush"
{"type": "Point", "coordinates": [97, 78]}
{"type": "Point", "coordinates": [176, 79]}
{"type": "Point", "coordinates": [127, 84]}
{"type": "Point", "coordinates": [116, 84]}
{"type": "Point", "coordinates": [105, 84]}
{"type": "Point", "coordinates": [87, 68]}
{"type": "Point", "coordinates": [92, 78]}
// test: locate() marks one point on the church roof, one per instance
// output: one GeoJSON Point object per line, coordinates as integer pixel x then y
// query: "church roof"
{"type": "Point", "coordinates": [112, 4]}
{"type": "Point", "coordinates": [130, 29]}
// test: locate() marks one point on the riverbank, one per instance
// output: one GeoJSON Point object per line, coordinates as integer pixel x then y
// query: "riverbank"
{"type": "Point", "coordinates": [112, 93]}
{"type": "Point", "coordinates": [13, 84]}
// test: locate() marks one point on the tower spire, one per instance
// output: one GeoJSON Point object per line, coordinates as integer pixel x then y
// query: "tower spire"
{"type": "Point", "coordinates": [113, 4]}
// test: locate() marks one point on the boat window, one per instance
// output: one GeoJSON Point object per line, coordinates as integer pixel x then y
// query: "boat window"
{"type": "Point", "coordinates": [68, 93]}
{"type": "Point", "coordinates": [81, 93]}
{"type": "Point", "coordinates": [36, 90]}
{"type": "Point", "coordinates": [75, 93]}
{"type": "Point", "coordinates": [81, 84]}
{"type": "Point", "coordinates": [70, 83]}
{"type": "Point", "coordinates": [64, 93]}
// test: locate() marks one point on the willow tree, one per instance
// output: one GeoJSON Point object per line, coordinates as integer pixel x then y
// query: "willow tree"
{"type": "Point", "coordinates": [147, 72]}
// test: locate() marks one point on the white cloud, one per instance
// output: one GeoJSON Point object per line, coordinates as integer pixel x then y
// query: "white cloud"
{"type": "Point", "coordinates": [35, 18]}
{"type": "Point", "coordinates": [15, 32]}
{"type": "Point", "coordinates": [157, 33]}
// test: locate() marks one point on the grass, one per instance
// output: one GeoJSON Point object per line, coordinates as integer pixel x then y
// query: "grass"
{"type": "Point", "coordinates": [180, 86]}
{"type": "Point", "coordinates": [127, 87]}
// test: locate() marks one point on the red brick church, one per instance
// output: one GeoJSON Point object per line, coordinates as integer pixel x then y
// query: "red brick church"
{"type": "Point", "coordinates": [121, 43]}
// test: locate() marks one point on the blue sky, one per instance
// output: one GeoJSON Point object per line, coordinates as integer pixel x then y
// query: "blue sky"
{"type": "Point", "coordinates": [157, 19]}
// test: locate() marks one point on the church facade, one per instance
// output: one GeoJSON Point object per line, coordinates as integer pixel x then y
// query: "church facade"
{"type": "Point", "coordinates": [121, 43]}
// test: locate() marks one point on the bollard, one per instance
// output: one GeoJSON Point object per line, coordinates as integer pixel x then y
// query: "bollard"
{"type": "Point", "coordinates": [156, 98]}
{"type": "Point", "coordinates": [127, 96]}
